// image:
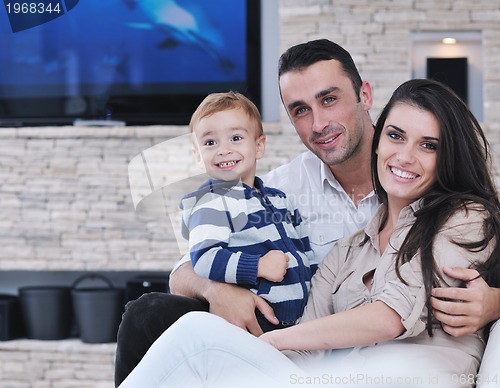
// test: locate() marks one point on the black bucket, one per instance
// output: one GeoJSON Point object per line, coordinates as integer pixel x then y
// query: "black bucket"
{"type": "Point", "coordinates": [98, 310]}
{"type": "Point", "coordinates": [47, 312]}
{"type": "Point", "coordinates": [11, 322]}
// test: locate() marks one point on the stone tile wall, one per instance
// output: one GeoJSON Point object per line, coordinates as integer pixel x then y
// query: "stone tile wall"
{"type": "Point", "coordinates": [56, 364]}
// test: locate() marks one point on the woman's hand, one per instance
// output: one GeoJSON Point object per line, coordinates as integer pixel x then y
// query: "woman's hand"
{"type": "Point", "coordinates": [271, 338]}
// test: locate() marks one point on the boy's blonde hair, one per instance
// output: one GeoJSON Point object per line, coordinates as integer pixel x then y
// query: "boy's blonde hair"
{"type": "Point", "coordinates": [218, 102]}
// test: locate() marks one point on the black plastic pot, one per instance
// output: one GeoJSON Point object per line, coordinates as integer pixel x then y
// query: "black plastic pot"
{"type": "Point", "coordinates": [98, 310]}
{"type": "Point", "coordinates": [47, 312]}
{"type": "Point", "coordinates": [11, 322]}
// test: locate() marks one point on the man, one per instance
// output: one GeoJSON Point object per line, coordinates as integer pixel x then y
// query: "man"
{"type": "Point", "coordinates": [328, 104]}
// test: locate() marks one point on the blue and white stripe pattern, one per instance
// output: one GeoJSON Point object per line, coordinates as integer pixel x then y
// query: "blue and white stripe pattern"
{"type": "Point", "coordinates": [231, 225]}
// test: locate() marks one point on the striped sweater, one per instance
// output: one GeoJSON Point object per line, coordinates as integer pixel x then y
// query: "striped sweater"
{"type": "Point", "coordinates": [230, 225]}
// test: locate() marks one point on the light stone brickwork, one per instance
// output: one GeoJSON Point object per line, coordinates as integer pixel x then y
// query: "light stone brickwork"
{"type": "Point", "coordinates": [56, 364]}
{"type": "Point", "coordinates": [64, 191]}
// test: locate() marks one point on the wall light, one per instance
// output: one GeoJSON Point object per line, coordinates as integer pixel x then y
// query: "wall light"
{"type": "Point", "coordinates": [449, 40]}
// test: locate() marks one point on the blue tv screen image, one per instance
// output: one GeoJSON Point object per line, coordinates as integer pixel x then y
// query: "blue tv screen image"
{"type": "Point", "coordinates": [142, 61]}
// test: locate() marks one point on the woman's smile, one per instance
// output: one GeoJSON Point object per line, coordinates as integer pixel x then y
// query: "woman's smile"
{"type": "Point", "coordinates": [407, 153]}
{"type": "Point", "coordinates": [403, 174]}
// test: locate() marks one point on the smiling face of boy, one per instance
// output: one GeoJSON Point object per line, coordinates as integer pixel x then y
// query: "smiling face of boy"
{"type": "Point", "coordinates": [228, 145]}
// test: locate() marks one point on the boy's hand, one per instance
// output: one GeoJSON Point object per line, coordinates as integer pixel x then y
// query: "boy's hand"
{"type": "Point", "coordinates": [273, 266]}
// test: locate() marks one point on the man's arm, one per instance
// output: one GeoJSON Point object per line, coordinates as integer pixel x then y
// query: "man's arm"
{"type": "Point", "coordinates": [478, 303]}
{"type": "Point", "coordinates": [233, 303]}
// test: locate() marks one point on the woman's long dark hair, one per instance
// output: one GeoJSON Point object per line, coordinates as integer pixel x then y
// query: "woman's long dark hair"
{"type": "Point", "coordinates": [463, 177]}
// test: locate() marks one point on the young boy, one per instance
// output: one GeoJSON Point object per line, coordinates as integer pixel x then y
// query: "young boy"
{"type": "Point", "coordinates": [239, 230]}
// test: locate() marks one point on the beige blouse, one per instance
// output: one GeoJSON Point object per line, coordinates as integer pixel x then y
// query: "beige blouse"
{"type": "Point", "coordinates": [338, 284]}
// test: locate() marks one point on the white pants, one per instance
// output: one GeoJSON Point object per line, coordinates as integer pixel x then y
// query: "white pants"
{"type": "Point", "coordinates": [489, 373]}
{"type": "Point", "coordinates": [204, 350]}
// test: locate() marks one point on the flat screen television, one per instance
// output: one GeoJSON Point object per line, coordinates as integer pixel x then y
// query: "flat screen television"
{"type": "Point", "coordinates": [143, 62]}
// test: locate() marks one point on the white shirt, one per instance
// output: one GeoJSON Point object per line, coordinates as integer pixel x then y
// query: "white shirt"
{"type": "Point", "coordinates": [327, 211]}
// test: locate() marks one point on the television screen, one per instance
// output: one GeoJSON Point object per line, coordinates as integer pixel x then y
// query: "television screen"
{"type": "Point", "coordinates": [138, 61]}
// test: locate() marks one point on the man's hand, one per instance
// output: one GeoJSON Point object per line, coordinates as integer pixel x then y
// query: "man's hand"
{"type": "Point", "coordinates": [465, 310]}
{"type": "Point", "coordinates": [233, 303]}
{"type": "Point", "coordinates": [273, 266]}
{"type": "Point", "coordinates": [237, 305]}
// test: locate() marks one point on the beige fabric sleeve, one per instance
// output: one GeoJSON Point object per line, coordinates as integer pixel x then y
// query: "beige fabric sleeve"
{"type": "Point", "coordinates": [408, 300]}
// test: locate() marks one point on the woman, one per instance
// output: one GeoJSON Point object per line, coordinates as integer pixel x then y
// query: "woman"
{"type": "Point", "coordinates": [371, 294]}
